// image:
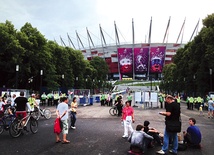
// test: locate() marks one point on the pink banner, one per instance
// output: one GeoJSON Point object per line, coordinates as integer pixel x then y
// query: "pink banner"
{"type": "Point", "coordinates": [141, 57]}
{"type": "Point", "coordinates": [125, 60]}
{"type": "Point", "coordinates": [157, 56]}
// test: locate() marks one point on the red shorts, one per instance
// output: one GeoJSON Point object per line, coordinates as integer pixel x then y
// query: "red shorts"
{"type": "Point", "coordinates": [21, 114]}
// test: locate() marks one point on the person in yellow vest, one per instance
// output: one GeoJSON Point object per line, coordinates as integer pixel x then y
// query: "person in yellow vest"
{"type": "Point", "coordinates": [50, 99]}
{"type": "Point", "coordinates": [116, 97]}
{"type": "Point", "coordinates": [102, 100]}
{"type": "Point", "coordinates": [43, 98]}
{"type": "Point", "coordinates": [178, 99]}
{"type": "Point", "coordinates": [56, 99]}
{"type": "Point", "coordinates": [32, 101]}
{"type": "Point", "coordinates": [129, 98]}
{"type": "Point", "coordinates": [191, 102]}
{"type": "Point", "coordinates": [198, 102]}
{"type": "Point", "coordinates": [161, 100]}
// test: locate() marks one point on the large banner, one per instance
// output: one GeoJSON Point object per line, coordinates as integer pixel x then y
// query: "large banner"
{"type": "Point", "coordinates": [141, 57]}
{"type": "Point", "coordinates": [157, 55]}
{"type": "Point", "coordinates": [125, 60]}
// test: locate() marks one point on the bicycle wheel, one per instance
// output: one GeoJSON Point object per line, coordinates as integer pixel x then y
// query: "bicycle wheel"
{"type": "Point", "coordinates": [36, 114]}
{"type": "Point", "coordinates": [47, 113]}
{"type": "Point", "coordinates": [15, 130]}
{"type": "Point", "coordinates": [1, 126]}
{"type": "Point", "coordinates": [113, 111]}
{"type": "Point", "coordinates": [33, 125]}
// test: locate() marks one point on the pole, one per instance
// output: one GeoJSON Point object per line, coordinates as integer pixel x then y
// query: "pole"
{"type": "Point", "coordinates": [133, 42]}
{"type": "Point", "coordinates": [41, 73]}
{"type": "Point", "coordinates": [17, 74]}
{"type": "Point", "coordinates": [211, 82]}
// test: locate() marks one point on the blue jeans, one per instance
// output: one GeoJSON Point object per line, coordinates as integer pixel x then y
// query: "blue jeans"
{"type": "Point", "coordinates": [167, 136]}
{"type": "Point", "coordinates": [73, 119]}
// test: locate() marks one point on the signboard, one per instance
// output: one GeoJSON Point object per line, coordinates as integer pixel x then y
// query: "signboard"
{"type": "Point", "coordinates": [137, 96]}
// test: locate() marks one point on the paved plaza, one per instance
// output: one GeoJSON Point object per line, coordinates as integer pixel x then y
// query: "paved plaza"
{"type": "Point", "coordinates": [98, 133]}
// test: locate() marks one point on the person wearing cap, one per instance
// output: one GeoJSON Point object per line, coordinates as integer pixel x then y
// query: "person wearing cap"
{"type": "Point", "coordinates": [172, 114]}
{"type": "Point", "coordinates": [32, 101]}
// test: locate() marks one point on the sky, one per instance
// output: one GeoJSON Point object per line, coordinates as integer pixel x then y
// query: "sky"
{"type": "Point", "coordinates": [57, 18]}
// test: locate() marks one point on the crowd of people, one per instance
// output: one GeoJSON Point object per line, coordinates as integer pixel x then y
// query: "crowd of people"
{"type": "Point", "coordinates": [145, 137]}
{"type": "Point", "coordinates": [142, 138]}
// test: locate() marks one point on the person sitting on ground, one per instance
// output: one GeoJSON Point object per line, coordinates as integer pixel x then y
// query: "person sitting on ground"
{"type": "Point", "coordinates": [192, 137]}
{"type": "Point", "coordinates": [137, 139]}
{"type": "Point", "coordinates": [152, 132]}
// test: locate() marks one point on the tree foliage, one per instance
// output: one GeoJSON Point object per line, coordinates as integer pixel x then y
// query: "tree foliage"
{"type": "Point", "coordinates": [61, 66]}
{"type": "Point", "coordinates": [193, 63]}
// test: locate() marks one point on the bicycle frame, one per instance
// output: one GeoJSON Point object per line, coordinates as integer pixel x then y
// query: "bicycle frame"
{"type": "Point", "coordinates": [26, 119]}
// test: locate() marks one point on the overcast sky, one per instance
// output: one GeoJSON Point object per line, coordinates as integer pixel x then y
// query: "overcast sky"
{"type": "Point", "coordinates": [55, 18]}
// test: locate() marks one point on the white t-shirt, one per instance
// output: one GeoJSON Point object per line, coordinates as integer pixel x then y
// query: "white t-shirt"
{"type": "Point", "coordinates": [62, 107]}
{"type": "Point", "coordinates": [1, 103]}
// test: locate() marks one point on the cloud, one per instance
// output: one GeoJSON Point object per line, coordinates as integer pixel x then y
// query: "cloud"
{"type": "Point", "coordinates": [54, 18]}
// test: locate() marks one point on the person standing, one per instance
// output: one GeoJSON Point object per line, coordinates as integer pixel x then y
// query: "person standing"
{"type": "Point", "coordinates": [129, 98]}
{"type": "Point", "coordinates": [21, 107]}
{"type": "Point", "coordinates": [32, 101]}
{"type": "Point", "coordinates": [119, 105]}
{"type": "Point", "coordinates": [56, 98]}
{"type": "Point", "coordinates": [62, 114]}
{"type": "Point", "coordinates": [161, 100]}
{"type": "Point", "coordinates": [1, 104]}
{"type": "Point", "coordinates": [13, 99]}
{"type": "Point", "coordinates": [127, 118]}
{"type": "Point", "coordinates": [193, 134]}
{"type": "Point", "coordinates": [43, 98]}
{"type": "Point", "coordinates": [210, 108]}
{"type": "Point", "coordinates": [102, 100]}
{"type": "Point", "coordinates": [50, 99]}
{"type": "Point", "coordinates": [172, 114]}
{"type": "Point", "coordinates": [74, 106]}
{"type": "Point", "coordinates": [191, 102]}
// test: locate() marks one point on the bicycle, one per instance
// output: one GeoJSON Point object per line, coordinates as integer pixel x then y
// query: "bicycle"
{"type": "Point", "coordinates": [42, 112]}
{"type": "Point", "coordinates": [6, 120]}
{"type": "Point", "coordinates": [113, 111]}
{"type": "Point", "coordinates": [17, 125]}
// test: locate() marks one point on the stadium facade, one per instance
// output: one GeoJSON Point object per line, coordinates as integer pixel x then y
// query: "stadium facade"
{"type": "Point", "coordinates": [135, 61]}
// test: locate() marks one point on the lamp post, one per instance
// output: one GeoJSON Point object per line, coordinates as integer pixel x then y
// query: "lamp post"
{"type": "Point", "coordinates": [76, 82]}
{"type": "Point", "coordinates": [211, 82]}
{"type": "Point", "coordinates": [63, 77]}
{"type": "Point", "coordinates": [151, 82]}
{"type": "Point", "coordinates": [93, 86]}
{"type": "Point", "coordinates": [17, 74]}
{"type": "Point", "coordinates": [194, 84]}
{"type": "Point", "coordinates": [41, 73]}
{"type": "Point", "coordinates": [86, 83]}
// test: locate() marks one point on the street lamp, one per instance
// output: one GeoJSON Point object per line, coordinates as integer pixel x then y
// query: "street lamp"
{"type": "Point", "coordinates": [93, 86]}
{"type": "Point", "coordinates": [86, 83]}
{"type": "Point", "coordinates": [41, 73]}
{"type": "Point", "coordinates": [76, 82]}
{"type": "Point", "coordinates": [63, 76]}
{"type": "Point", "coordinates": [17, 71]}
{"type": "Point", "coordinates": [194, 84]}
{"type": "Point", "coordinates": [211, 82]}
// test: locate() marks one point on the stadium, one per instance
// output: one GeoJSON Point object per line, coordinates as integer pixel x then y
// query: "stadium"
{"type": "Point", "coordinates": [130, 61]}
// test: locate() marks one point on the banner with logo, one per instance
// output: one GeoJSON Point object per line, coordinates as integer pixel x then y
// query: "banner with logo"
{"type": "Point", "coordinates": [125, 60]}
{"type": "Point", "coordinates": [141, 57]}
{"type": "Point", "coordinates": [157, 56]}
